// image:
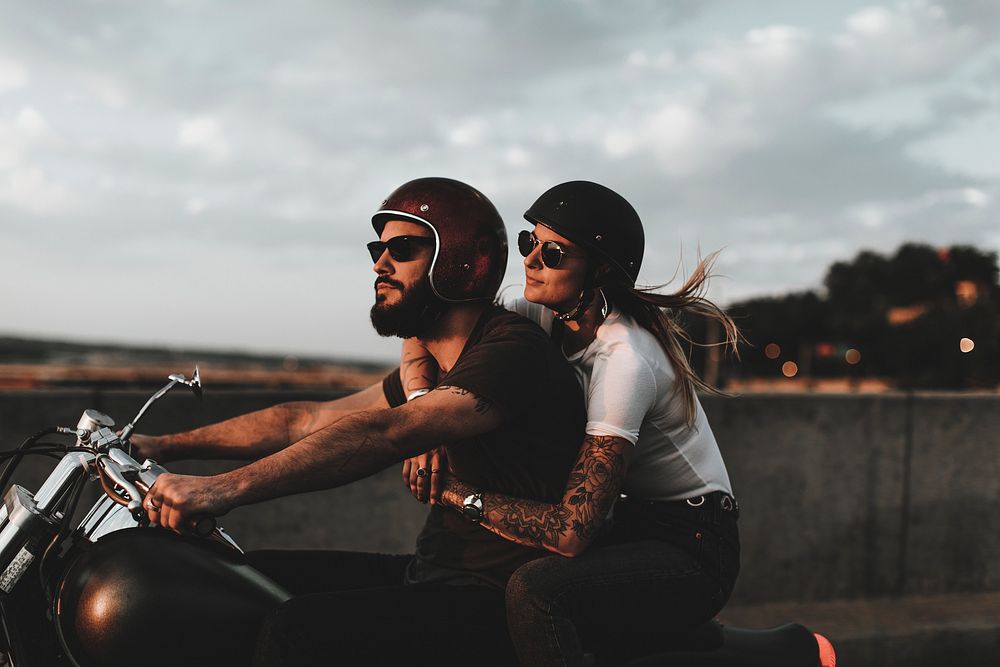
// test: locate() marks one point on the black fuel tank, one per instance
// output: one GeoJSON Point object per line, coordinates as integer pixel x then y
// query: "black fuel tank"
{"type": "Point", "coordinates": [148, 596]}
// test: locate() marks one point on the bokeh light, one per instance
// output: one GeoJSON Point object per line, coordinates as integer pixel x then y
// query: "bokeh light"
{"type": "Point", "coordinates": [852, 356]}
{"type": "Point", "coordinates": [772, 350]}
{"type": "Point", "coordinates": [789, 369]}
{"type": "Point", "coordinates": [966, 345]}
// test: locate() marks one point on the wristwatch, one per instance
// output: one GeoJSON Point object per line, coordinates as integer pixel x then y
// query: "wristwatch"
{"type": "Point", "coordinates": [472, 507]}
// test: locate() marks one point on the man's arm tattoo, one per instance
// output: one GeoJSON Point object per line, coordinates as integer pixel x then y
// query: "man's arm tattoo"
{"type": "Point", "coordinates": [483, 404]}
{"type": "Point", "coordinates": [346, 460]}
{"type": "Point", "coordinates": [420, 372]}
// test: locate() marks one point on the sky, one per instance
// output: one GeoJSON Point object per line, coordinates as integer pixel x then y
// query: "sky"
{"type": "Point", "coordinates": [202, 173]}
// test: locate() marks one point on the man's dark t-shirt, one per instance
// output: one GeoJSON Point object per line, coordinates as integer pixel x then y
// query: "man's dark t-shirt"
{"type": "Point", "coordinates": [509, 361]}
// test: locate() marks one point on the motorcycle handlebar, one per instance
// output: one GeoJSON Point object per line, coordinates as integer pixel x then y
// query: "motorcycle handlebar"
{"type": "Point", "coordinates": [121, 470]}
{"type": "Point", "coordinates": [202, 526]}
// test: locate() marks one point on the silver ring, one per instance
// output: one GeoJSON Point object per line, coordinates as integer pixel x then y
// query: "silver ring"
{"type": "Point", "coordinates": [696, 502]}
{"type": "Point", "coordinates": [152, 507]}
{"type": "Point", "coordinates": [421, 472]}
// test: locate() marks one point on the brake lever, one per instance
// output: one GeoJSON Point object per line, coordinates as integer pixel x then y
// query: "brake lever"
{"type": "Point", "coordinates": [116, 473]}
{"type": "Point", "coordinates": [126, 473]}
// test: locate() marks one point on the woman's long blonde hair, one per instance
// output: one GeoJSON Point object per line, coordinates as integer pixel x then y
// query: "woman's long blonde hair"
{"type": "Point", "coordinates": [660, 314]}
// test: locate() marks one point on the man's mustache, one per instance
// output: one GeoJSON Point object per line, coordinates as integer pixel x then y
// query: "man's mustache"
{"type": "Point", "coordinates": [388, 281]}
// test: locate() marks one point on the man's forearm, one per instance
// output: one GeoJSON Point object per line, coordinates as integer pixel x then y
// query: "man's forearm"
{"type": "Point", "coordinates": [245, 437]}
{"type": "Point", "coordinates": [266, 431]}
{"type": "Point", "coordinates": [350, 449]}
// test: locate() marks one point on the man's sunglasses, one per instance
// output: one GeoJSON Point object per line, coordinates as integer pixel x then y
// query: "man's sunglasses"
{"type": "Point", "coordinates": [401, 248]}
{"type": "Point", "coordinates": [552, 253]}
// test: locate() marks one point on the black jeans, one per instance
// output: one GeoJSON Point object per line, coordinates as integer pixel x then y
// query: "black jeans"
{"type": "Point", "coordinates": [353, 609]}
{"type": "Point", "coordinates": [662, 567]}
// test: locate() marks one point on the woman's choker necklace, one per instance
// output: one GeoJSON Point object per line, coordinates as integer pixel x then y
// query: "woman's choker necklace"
{"type": "Point", "coordinates": [576, 312]}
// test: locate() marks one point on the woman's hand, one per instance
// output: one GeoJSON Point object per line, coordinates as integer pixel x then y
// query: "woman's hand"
{"type": "Point", "coordinates": [425, 475]}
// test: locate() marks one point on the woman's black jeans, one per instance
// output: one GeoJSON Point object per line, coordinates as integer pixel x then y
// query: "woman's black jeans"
{"type": "Point", "coordinates": [662, 567]}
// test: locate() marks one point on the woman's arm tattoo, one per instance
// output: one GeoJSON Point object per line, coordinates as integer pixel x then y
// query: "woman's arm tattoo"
{"type": "Point", "coordinates": [534, 523]}
{"type": "Point", "coordinates": [591, 490]}
{"type": "Point", "coordinates": [594, 482]}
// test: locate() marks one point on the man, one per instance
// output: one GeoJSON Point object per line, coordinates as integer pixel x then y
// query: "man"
{"type": "Point", "coordinates": [508, 411]}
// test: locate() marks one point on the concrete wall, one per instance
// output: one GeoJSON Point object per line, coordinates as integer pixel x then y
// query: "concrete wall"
{"type": "Point", "coordinates": [841, 496]}
{"type": "Point", "coordinates": [859, 496]}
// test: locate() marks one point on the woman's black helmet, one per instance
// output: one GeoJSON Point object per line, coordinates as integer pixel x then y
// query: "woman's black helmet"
{"type": "Point", "coordinates": [596, 218]}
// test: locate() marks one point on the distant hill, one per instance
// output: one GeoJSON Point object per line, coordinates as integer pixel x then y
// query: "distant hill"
{"type": "Point", "coordinates": [18, 350]}
{"type": "Point", "coordinates": [27, 363]}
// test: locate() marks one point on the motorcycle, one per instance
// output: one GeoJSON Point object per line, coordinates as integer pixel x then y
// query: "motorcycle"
{"type": "Point", "coordinates": [95, 593]}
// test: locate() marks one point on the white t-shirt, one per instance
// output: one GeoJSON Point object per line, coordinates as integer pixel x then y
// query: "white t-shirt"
{"type": "Point", "coordinates": [629, 385]}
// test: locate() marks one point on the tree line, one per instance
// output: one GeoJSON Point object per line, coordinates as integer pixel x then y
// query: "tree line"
{"type": "Point", "coordinates": [920, 318]}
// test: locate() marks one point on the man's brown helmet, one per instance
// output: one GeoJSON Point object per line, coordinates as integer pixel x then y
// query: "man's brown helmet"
{"type": "Point", "coordinates": [470, 251]}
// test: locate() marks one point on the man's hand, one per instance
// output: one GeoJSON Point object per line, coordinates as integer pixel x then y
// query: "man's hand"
{"type": "Point", "coordinates": [149, 447]}
{"type": "Point", "coordinates": [178, 501]}
{"type": "Point", "coordinates": [426, 485]}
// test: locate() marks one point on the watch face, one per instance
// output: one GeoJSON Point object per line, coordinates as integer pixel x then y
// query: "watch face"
{"type": "Point", "coordinates": [473, 508]}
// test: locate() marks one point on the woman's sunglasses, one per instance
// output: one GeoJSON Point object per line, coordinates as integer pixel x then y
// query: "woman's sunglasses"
{"type": "Point", "coordinates": [552, 253]}
{"type": "Point", "coordinates": [401, 248]}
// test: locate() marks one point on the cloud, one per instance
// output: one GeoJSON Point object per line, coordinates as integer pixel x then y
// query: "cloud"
{"type": "Point", "coordinates": [12, 75]}
{"type": "Point", "coordinates": [909, 42]}
{"type": "Point", "coordinates": [24, 184]}
{"type": "Point", "coordinates": [683, 139]}
{"type": "Point", "coordinates": [790, 138]}
{"type": "Point", "coordinates": [469, 133]}
{"type": "Point", "coordinates": [30, 189]}
{"type": "Point", "coordinates": [204, 134]}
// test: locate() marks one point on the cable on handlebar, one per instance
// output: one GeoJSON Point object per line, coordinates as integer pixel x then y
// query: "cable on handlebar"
{"type": "Point", "coordinates": [50, 453]}
{"type": "Point", "coordinates": [44, 449]}
{"type": "Point", "coordinates": [19, 453]}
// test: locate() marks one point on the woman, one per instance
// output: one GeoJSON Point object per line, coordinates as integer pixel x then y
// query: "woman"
{"type": "Point", "coordinates": [670, 556]}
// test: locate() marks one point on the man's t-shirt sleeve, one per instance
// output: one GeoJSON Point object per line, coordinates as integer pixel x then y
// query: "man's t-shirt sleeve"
{"type": "Point", "coordinates": [392, 387]}
{"type": "Point", "coordinates": [506, 368]}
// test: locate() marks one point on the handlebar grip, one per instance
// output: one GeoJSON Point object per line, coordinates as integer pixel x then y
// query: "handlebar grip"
{"type": "Point", "coordinates": [203, 526]}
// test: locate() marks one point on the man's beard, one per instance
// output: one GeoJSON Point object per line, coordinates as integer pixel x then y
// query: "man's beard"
{"type": "Point", "coordinates": [415, 312]}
